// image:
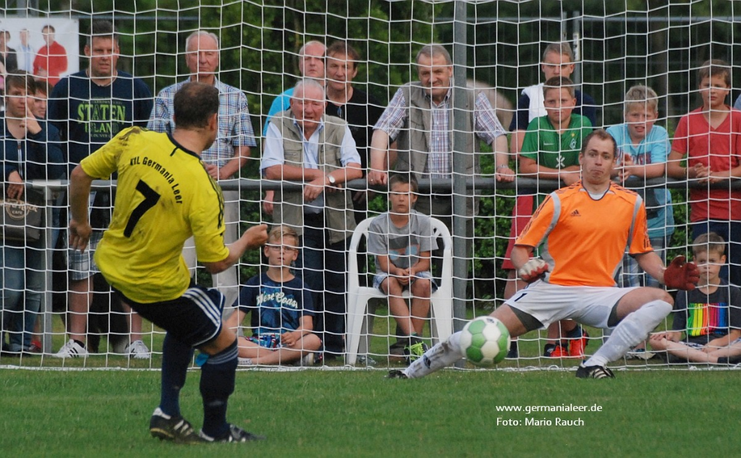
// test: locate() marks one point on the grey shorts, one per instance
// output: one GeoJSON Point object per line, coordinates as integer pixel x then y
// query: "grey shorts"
{"type": "Point", "coordinates": [82, 265]}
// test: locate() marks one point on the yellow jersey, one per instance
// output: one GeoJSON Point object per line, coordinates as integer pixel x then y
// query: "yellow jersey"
{"type": "Point", "coordinates": [584, 239]}
{"type": "Point", "coordinates": [164, 196]}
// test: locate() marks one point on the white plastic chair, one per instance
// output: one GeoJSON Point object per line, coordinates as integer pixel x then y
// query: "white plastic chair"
{"type": "Point", "coordinates": [359, 320]}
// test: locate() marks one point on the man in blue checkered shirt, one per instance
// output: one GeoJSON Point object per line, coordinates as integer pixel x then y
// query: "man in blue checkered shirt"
{"type": "Point", "coordinates": [228, 153]}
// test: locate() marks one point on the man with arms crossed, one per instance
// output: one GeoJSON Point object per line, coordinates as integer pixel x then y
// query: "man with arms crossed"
{"type": "Point", "coordinates": [165, 196]}
{"type": "Point", "coordinates": [576, 280]}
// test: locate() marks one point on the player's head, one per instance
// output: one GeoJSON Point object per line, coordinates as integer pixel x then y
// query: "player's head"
{"type": "Point", "coordinates": [342, 65]}
{"type": "Point", "coordinates": [196, 106]}
{"type": "Point", "coordinates": [40, 95]}
{"type": "Point", "coordinates": [102, 49]}
{"type": "Point", "coordinates": [708, 251]}
{"type": "Point", "coordinates": [559, 100]}
{"type": "Point", "coordinates": [19, 86]}
{"type": "Point", "coordinates": [435, 70]}
{"type": "Point", "coordinates": [202, 54]}
{"type": "Point", "coordinates": [308, 103]}
{"type": "Point", "coordinates": [311, 60]}
{"type": "Point", "coordinates": [597, 157]}
{"type": "Point", "coordinates": [641, 111]}
{"type": "Point", "coordinates": [403, 190]}
{"type": "Point", "coordinates": [715, 83]}
{"type": "Point", "coordinates": [558, 60]}
{"type": "Point", "coordinates": [282, 247]}
{"type": "Point", "coordinates": [48, 32]}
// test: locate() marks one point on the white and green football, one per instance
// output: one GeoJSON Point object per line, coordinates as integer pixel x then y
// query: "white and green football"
{"type": "Point", "coordinates": [484, 341]}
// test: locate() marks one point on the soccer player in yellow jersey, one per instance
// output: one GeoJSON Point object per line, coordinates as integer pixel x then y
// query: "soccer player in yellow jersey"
{"type": "Point", "coordinates": [585, 229]}
{"type": "Point", "coordinates": [165, 195]}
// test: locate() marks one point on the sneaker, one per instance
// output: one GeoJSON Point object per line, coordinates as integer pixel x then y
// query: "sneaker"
{"type": "Point", "coordinates": [245, 362]}
{"type": "Point", "coordinates": [306, 360]}
{"type": "Point", "coordinates": [137, 350]}
{"type": "Point", "coordinates": [415, 351]}
{"type": "Point", "coordinates": [396, 374]}
{"type": "Point", "coordinates": [640, 353]}
{"type": "Point", "coordinates": [366, 360]}
{"type": "Point", "coordinates": [234, 434]}
{"type": "Point", "coordinates": [560, 352]}
{"type": "Point", "coordinates": [35, 347]}
{"type": "Point", "coordinates": [176, 429]}
{"type": "Point", "coordinates": [71, 350]}
{"type": "Point", "coordinates": [593, 372]}
{"type": "Point", "coordinates": [729, 359]}
{"type": "Point", "coordinates": [577, 346]}
{"type": "Point", "coordinates": [548, 350]}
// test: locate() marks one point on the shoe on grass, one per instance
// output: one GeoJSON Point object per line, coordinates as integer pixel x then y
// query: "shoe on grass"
{"type": "Point", "coordinates": [71, 350]}
{"type": "Point", "coordinates": [233, 434]}
{"type": "Point", "coordinates": [137, 350]}
{"type": "Point", "coordinates": [395, 373]}
{"type": "Point", "coordinates": [593, 372]}
{"type": "Point", "coordinates": [176, 429]}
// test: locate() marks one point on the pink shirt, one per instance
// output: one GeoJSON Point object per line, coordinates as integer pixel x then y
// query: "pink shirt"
{"type": "Point", "coordinates": [719, 148]}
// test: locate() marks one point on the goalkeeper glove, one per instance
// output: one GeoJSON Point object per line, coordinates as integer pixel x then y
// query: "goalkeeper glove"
{"type": "Point", "coordinates": [533, 270]}
{"type": "Point", "coordinates": [681, 275]}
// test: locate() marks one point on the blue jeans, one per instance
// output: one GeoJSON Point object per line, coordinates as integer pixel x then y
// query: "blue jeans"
{"type": "Point", "coordinates": [22, 277]}
{"type": "Point", "coordinates": [633, 275]}
{"type": "Point", "coordinates": [323, 268]}
{"type": "Point", "coordinates": [731, 233]}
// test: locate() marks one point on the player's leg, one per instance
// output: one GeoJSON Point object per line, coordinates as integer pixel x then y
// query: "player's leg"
{"type": "Point", "coordinates": [636, 314]}
{"type": "Point", "coordinates": [447, 353]}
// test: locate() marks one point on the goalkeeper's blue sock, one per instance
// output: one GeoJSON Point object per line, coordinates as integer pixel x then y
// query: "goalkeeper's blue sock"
{"type": "Point", "coordinates": [176, 357]}
{"type": "Point", "coordinates": [632, 330]}
{"type": "Point", "coordinates": [441, 355]}
{"type": "Point", "coordinates": [217, 384]}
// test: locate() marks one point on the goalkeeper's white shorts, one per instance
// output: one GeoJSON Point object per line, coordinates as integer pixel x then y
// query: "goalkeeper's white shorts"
{"type": "Point", "coordinates": [548, 303]}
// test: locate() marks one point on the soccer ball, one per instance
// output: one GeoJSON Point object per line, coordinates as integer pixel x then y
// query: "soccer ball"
{"type": "Point", "coordinates": [484, 341]}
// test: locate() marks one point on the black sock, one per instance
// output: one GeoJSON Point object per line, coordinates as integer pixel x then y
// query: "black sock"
{"type": "Point", "coordinates": [176, 357]}
{"type": "Point", "coordinates": [217, 384]}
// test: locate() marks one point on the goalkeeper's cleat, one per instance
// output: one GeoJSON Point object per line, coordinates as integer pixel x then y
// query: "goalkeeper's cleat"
{"type": "Point", "coordinates": [176, 429]}
{"type": "Point", "coordinates": [548, 350]}
{"type": "Point", "coordinates": [71, 350]}
{"type": "Point", "coordinates": [137, 350]}
{"type": "Point", "coordinates": [577, 346]}
{"type": "Point", "coordinates": [233, 434]}
{"type": "Point", "coordinates": [560, 352]}
{"type": "Point", "coordinates": [513, 352]}
{"type": "Point", "coordinates": [395, 373]}
{"type": "Point", "coordinates": [593, 372]}
{"type": "Point", "coordinates": [415, 351]}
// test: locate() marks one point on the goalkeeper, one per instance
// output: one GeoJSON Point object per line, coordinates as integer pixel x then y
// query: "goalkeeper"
{"type": "Point", "coordinates": [165, 196]}
{"type": "Point", "coordinates": [585, 228]}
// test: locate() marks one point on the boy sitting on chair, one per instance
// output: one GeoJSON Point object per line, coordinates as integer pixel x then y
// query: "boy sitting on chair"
{"type": "Point", "coordinates": [282, 309]}
{"type": "Point", "coordinates": [401, 240]}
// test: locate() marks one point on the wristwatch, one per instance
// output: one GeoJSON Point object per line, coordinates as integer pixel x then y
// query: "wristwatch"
{"type": "Point", "coordinates": [332, 180]}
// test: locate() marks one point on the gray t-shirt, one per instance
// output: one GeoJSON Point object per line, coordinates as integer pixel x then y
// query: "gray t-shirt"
{"type": "Point", "coordinates": [401, 244]}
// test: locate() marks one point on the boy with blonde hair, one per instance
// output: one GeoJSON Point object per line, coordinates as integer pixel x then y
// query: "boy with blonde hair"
{"type": "Point", "coordinates": [709, 315]}
{"type": "Point", "coordinates": [282, 308]}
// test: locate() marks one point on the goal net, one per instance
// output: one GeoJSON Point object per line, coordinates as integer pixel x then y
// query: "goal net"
{"type": "Point", "coordinates": [497, 49]}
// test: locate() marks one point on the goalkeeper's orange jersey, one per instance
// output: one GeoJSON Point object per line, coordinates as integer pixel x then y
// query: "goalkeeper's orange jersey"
{"type": "Point", "coordinates": [584, 239]}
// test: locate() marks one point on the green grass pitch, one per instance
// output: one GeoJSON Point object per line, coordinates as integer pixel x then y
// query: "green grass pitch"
{"type": "Point", "coordinates": [360, 413]}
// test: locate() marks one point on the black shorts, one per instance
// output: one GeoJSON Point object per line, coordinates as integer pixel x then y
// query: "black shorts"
{"type": "Point", "coordinates": [194, 318]}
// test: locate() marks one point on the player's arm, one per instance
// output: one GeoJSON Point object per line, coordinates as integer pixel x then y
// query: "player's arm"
{"type": "Point", "coordinates": [79, 192]}
{"type": "Point", "coordinates": [678, 275]}
{"type": "Point", "coordinates": [253, 237]}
